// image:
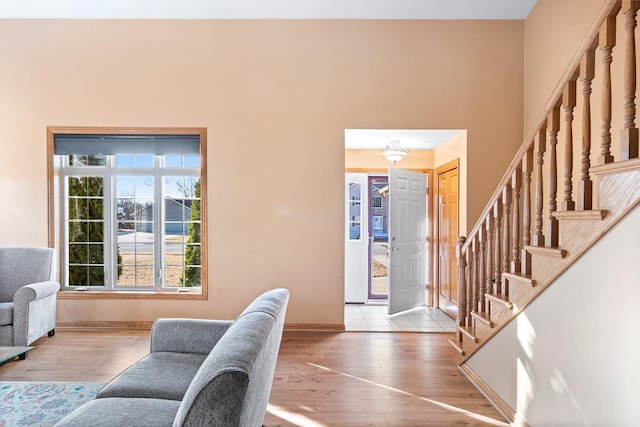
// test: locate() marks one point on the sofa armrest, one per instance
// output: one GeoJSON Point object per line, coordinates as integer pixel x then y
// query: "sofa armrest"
{"type": "Point", "coordinates": [35, 291]}
{"type": "Point", "coordinates": [187, 335]}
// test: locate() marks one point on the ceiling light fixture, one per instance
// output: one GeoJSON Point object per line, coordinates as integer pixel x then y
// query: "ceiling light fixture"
{"type": "Point", "coordinates": [395, 152]}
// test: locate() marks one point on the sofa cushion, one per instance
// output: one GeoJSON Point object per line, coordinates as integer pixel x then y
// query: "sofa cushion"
{"type": "Point", "coordinates": [271, 302]}
{"type": "Point", "coordinates": [159, 375]}
{"type": "Point", "coordinates": [123, 412]}
{"type": "Point", "coordinates": [6, 313]}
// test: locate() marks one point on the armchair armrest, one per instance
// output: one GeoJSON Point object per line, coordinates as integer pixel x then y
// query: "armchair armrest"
{"type": "Point", "coordinates": [31, 321]}
{"type": "Point", "coordinates": [35, 291]}
{"type": "Point", "coordinates": [187, 335]}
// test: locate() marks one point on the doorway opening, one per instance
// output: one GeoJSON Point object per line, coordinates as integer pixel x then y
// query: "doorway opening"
{"type": "Point", "coordinates": [387, 238]}
{"type": "Point", "coordinates": [371, 252]}
{"type": "Point", "coordinates": [369, 213]}
{"type": "Point", "coordinates": [378, 287]}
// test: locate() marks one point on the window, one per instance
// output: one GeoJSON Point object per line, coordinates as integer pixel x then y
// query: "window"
{"type": "Point", "coordinates": [378, 223]}
{"type": "Point", "coordinates": [377, 201]}
{"type": "Point", "coordinates": [354, 206]}
{"type": "Point", "coordinates": [128, 210]}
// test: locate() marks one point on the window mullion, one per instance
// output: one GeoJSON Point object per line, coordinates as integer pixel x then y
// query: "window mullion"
{"type": "Point", "coordinates": [111, 239]}
{"type": "Point", "coordinates": [158, 229]}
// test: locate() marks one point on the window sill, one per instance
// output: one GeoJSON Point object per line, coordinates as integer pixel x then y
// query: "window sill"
{"type": "Point", "coordinates": [130, 295]}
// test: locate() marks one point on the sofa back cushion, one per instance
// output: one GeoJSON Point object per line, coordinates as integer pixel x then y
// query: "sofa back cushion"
{"type": "Point", "coordinates": [273, 302]}
{"type": "Point", "coordinates": [233, 385]}
{"type": "Point", "coordinates": [22, 266]}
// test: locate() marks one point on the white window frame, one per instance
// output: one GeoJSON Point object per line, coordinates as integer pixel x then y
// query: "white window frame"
{"type": "Point", "coordinates": [60, 170]}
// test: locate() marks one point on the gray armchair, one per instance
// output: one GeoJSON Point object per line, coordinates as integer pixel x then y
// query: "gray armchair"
{"type": "Point", "coordinates": [28, 289]}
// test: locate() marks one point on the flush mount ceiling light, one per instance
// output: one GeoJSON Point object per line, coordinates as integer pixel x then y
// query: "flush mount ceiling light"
{"type": "Point", "coordinates": [395, 152]}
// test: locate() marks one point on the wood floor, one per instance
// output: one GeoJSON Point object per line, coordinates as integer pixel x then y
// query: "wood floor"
{"type": "Point", "coordinates": [321, 379]}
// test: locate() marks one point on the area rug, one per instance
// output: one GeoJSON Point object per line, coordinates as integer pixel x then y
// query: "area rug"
{"type": "Point", "coordinates": [39, 404]}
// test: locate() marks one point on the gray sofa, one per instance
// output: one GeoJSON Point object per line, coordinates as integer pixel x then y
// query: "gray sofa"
{"type": "Point", "coordinates": [28, 290]}
{"type": "Point", "coordinates": [198, 373]}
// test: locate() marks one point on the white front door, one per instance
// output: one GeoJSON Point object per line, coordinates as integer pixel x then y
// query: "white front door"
{"type": "Point", "coordinates": [407, 240]}
{"type": "Point", "coordinates": [356, 261]}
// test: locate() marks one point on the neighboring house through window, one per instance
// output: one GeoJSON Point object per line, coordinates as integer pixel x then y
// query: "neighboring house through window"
{"type": "Point", "coordinates": [128, 208]}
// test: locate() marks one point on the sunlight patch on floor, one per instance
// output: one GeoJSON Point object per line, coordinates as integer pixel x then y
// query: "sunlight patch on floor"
{"type": "Point", "coordinates": [292, 417]}
{"type": "Point", "coordinates": [442, 405]}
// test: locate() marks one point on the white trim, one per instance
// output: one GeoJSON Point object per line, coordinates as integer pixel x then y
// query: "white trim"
{"type": "Point", "coordinates": [494, 398]}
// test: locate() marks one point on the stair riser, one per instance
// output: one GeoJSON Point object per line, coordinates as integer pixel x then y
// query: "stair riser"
{"type": "Point", "coordinates": [468, 344]}
{"type": "Point", "coordinates": [482, 331]}
{"type": "Point", "coordinates": [616, 190]}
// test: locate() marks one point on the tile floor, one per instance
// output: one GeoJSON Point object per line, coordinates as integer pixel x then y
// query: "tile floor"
{"type": "Point", "coordinates": [368, 317]}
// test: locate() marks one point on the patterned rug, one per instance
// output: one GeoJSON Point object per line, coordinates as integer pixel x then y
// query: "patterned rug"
{"type": "Point", "coordinates": [41, 403]}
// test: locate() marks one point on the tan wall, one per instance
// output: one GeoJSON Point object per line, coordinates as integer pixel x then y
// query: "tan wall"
{"type": "Point", "coordinates": [276, 97]}
{"type": "Point", "coordinates": [553, 32]}
{"type": "Point", "coordinates": [373, 159]}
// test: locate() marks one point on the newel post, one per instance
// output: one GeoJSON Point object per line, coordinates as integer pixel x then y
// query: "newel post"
{"type": "Point", "coordinates": [462, 283]}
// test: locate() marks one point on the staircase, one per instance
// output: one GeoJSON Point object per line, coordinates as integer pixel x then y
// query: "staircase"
{"type": "Point", "coordinates": [544, 214]}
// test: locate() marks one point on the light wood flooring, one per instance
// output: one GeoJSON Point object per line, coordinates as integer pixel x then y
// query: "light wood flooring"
{"type": "Point", "coordinates": [321, 379]}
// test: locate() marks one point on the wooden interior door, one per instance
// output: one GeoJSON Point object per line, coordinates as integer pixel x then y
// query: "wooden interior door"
{"type": "Point", "coordinates": [447, 238]}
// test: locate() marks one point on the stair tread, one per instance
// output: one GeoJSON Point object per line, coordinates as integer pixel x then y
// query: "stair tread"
{"type": "Point", "coordinates": [521, 278]}
{"type": "Point", "coordinates": [501, 299]}
{"type": "Point", "coordinates": [468, 331]}
{"type": "Point", "coordinates": [620, 166]}
{"type": "Point", "coordinates": [547, 251]}
{"type": "Point", "coordinates": [484, 318]}
{"type": "Point", "coordinates": [457, 347]}
{"type": "Point", "coordinates": [581, 215]}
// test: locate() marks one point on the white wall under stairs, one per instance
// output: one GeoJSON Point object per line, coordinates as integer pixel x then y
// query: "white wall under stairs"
{"type": "Point", "coordinates": [572, 357]}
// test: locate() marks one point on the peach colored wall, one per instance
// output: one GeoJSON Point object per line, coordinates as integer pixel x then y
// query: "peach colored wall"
{"type": "Point", "coordinates": [456, 148]}
{"type": "Point", "coordinates": [553, 32]}
{"type": "Point", "coordinates": [258, 86]}
{"type": "Point", "coordinates": [373, 159]}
